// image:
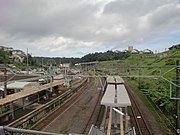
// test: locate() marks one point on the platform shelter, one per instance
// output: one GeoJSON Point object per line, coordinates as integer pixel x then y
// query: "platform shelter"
{"type": "Point", "coordinates": [116, 98]}
{"type": "Point", "coordinates": [115, 80]}
{"type": "Point", "coordinates": [7, 103]}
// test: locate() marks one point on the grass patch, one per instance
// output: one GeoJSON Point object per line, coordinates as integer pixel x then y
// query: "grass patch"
{"type": "Point", "coordinates": [153, 68]}
{"type": "Point", "coordinates": [161, 118]}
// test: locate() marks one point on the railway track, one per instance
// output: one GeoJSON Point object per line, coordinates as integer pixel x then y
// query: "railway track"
{"type": "Point", "coordinates": [41, 125]}
{"type": "Point", "coordinates": [65, 104]}
{"type": "Point", "coordinates": [138, 119]}
{"type": "Point", "coordinates": [102, 108]}
{"type": "Point", "coordinates": [100, 116]}
{"type": "Point", "coordinates": [94, 112]}
{"type": "Point", "coordinates": [32, 119]}
{"type": "Point", "coordinates": [89, 99]}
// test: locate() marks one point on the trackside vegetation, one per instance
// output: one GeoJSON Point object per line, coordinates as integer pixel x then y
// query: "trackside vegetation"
{"type": "Point", "coordinates": [148, 75]}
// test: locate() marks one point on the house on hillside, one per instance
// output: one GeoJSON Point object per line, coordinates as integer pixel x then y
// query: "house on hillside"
{"type": "Point", "coordinates": [135, 51]}
{"type": "Point", "coordinates": [130, 48]}
{"type": "Point", "coordinates": [117, 51]}
{"type": "Point", "coordinates": [147, 51]}
{"type": "Point", "coordinates": [174, 47]}
{"type": "Point", "coordinates": [65, 65]}
{"type": "Point", "coordinates": [125, 51]}
{"type": "Point", "coordinates": [6, 48]}
{"type": "Point", "coordinates": [18, 52]}
{"type": "Point", "coordinates": [18, 56]}
{"type": "Point", "coordinates": [163, 55]}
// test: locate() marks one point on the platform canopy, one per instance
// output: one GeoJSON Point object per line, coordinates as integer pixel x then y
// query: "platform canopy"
{"type": "Point", "coordinates": [29, 91]}
{"type": "Point", "coordinates": [59, 77]}
{"type": "Point", "coordinates": [18, 85]}
{"type": "Point", "coordinates": [122, 96]}
{"type": "Point", "coordinates": [110, 79]}
{"type": "Point", "coordinates": [116, 98]}
{"type": "Point", "coordinates": [119, 80]}
{"type": "Point", "coordinates": [114, 80]}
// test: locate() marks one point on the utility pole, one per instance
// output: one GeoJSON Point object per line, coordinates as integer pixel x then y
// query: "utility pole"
{"type": "Point", "coordinates": [94, 69]}
{"type": "Point", "coordinates": [139, 79]}
{"type": "Point", "coordinates": [5, 78]}
{"type": "Point", "coordinates": [42, 62]}
{"type": "Point", "coordinates": [178, 96]}
{"type": "Point", "coordinates": [51, 76]}
{"type": "Point", "coordinates": [5, 82]}
{"type": "Point", "coordinates": [65, 73]}
{"type": "Point", "coordinates": [4, 70]}
{"type": "Point", "coordinates": [27, 62]}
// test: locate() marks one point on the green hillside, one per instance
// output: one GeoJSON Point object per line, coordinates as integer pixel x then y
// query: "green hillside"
{"type": "Point", "coordinates": [150, 75]}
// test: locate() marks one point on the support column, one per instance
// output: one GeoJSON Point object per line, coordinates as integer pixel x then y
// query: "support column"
{"type": "Point", "coordinates": [51, 89]}
{"type": "Point", "coordinates": [38, 97]}
{"type": "Point", "coordinates": [103, 124]}
{"type": "Point", "coordinates": [121, 124]}
{"type": "Point", "coordinates": [12, 110]}
{"type": "Point", "coordinates": [23, 103]}
{"type": "Point", "coordinates": [1, 109]}
{"type": "Point", "coordinates": [110, 121]}
{"type": "Point", "coordinates": [5, 82]}
{"type": "Point", "coordinates": [47, 94]}
{"type": "Point", "coordinates": [115, 119]}
{"type": "Point", "coordinates": [126, 120]}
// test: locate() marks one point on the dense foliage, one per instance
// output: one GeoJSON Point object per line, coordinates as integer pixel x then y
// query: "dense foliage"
{"type": "Point", "coordinates": [56, 60]}
{"type": "Point", "coordinates": [109, 55]}
{"type": "Point", "coordinates": [39, 61]}
{"type": "Point", "coordinates": [152, 87]}
{"type": "Point", "coordinates": [4, 56]}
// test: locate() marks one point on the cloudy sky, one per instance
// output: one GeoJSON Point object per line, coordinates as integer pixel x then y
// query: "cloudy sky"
{"type": "Point", "coordinates": [77, 27]}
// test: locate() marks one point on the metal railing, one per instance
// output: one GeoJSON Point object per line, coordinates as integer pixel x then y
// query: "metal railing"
{"type": "Point", "coordinates": [16, 131]}
{"type": "Point", "coordinates": [95, 131]}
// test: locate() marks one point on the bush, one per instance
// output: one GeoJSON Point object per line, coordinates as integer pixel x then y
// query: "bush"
{"type": "Point", "coordinates": [155, 72]}
{"type": "Point", "coordinates": [170, 62]}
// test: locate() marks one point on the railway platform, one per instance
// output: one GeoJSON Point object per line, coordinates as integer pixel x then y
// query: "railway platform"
{"type": "Point", "coordinates": [9, 103]}
{"type": "Point", "coordinates": [116, 101]}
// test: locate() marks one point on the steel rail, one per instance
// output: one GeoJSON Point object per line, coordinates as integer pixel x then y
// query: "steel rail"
{"type": "Point", "coordinates": [133, 101]}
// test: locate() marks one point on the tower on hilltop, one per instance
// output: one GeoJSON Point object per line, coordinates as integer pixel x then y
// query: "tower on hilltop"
{"type": "Point", "coordinates": [130, 48]}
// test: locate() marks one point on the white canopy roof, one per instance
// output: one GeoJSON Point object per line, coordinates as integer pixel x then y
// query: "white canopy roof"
{"type": "Point", "coordinates": [119, 80]}
{"type": "Point", "coordinates": [58, 77]}
{"type": "Point", "coordinates": [110, 79]}
{"type": "Point", "coordinates": [110, 98]}
{"type": "Point", "coordinates": [115, 80]}
{"type": "Point", "coordinates": [122, 96]}
{"type": "Point", "coordinates": [1, 89]}
{"type": "Point", "coordinates": [17, 85]}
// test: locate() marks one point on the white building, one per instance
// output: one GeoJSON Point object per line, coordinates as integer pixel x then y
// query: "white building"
{"type": "Point", "coordinates": [17, 58]}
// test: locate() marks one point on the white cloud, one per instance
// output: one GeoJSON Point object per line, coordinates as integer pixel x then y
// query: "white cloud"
{"type": "Point", "coordinates": [54, 44]}
{"type": "Point", "coordinates": [82, 26]}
